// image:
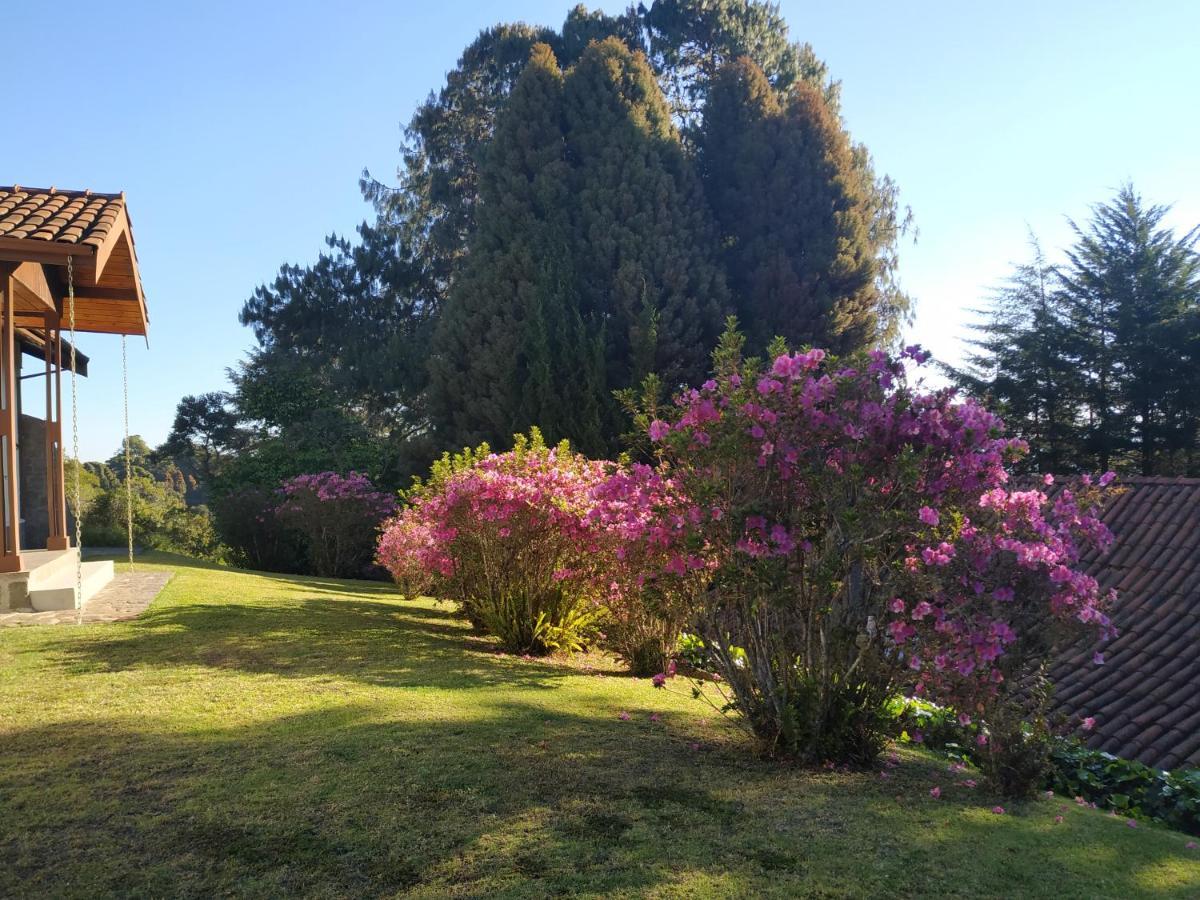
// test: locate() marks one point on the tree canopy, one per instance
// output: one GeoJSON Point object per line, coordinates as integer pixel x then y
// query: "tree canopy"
{"type": "Point", "coordinates": [1095, 360]}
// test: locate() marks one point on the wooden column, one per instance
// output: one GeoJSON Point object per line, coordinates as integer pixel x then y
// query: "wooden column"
{"type": "Point", "coordinates": [56, 494]}
{"type": "Point", "coordinates": [10, 558]}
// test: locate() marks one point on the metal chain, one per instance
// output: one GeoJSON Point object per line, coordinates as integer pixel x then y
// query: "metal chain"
{"type": "Point", "coordinates": [128, 454]}
{"type": "Point", "coordinates": [75, 444]}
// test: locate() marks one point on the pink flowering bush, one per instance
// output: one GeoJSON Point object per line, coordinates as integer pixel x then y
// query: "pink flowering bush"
{"type": "Point", "coordinates": [543, 547]}
{"type": "Point", "coordinates": [508, 537]}
{"type": "Point", "coordinates": [648, 578]}
{"type": "Point", "coordinates": [338, 517]}
{"type": "Point", "coordinates": [863, 538]}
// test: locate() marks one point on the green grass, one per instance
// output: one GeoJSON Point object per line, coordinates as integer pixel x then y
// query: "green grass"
{"type": "Point", "coordinates": [258, 735]}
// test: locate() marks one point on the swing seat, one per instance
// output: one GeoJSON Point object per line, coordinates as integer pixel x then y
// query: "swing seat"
{"type": "Point", "coordinates": [48, 583]}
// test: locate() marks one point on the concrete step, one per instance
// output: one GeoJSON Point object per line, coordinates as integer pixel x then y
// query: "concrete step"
{"type": "Point", "coordinates": [59, 593]}
{"type": "Point", "coordinates": [47, 567]}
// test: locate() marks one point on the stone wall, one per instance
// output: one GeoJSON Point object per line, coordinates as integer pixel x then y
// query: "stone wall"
{"type": "Point", "coordinates": [31, 456]}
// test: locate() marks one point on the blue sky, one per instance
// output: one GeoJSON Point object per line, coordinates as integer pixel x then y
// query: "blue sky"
{"type": "Point", "coordinates": [238, 131]}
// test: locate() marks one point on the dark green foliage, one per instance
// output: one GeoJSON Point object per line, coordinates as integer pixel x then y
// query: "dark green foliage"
{"type": "Point", "coordinates": [1128, 787]}
{"type": "Point", "coordinates": [247, 523]}
{"type": "Point", "coordinates": [1095, 362]}
{"type": "Point", "coordinates": [689, 40]}
{"type": "Point", "coordinates": [1020, 364]}
{"type": "Point", "coordinates": [591, 265]}
{"type": "Point", "coordinates": [1132, 292]}
{"type": "Point", "coordinates": [793, 211]}
{"type": "Point", "coordinates": [206, 431]}
{"type": "Point", "coordinates": [362, 318]}
{"type": "Point", "coordinates": [511, 348]}
{"type": "Point", "coordinates": [644, 245]}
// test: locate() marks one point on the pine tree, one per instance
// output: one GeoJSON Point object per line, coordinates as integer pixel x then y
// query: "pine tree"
{"type": "Point", "coordinates": [644, 246]}
{"type": "Point", "coordinates": [1133, 290]}
{"type": "Point", "coordinates": [511, 349]}
{"type": "Point", "coordinates": [794, 218]}
{"type": "Point", "coordinates": [1019, 365]}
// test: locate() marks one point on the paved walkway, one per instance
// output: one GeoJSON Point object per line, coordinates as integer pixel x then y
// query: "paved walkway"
{"type": "Point", "coordinates": [125, 597]}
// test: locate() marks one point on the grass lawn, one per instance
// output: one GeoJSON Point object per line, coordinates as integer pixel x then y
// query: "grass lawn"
{"type": "Point", "coordinates": [268, 736]}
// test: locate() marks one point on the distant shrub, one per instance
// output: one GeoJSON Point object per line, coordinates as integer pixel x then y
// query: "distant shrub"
{"type": "Point", "coordinates": [247, 523]}
{"type": "Point", "coordinates": [339, 517]}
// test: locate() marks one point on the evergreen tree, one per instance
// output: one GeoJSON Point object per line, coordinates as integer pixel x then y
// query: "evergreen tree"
{"type": "Point", "coordinates": [793, 212]}
{"type": "Point", "coordinates": [1019, 364]}
{"type": "Point", "coordinates": [361, 319]}
{"type": "Point", "coordinates": [511, 349]}
{"type": "Point", "coordinates": [1133, 294]}
{"type": "Point", "coordinates": [644, 246]}
{"type": "Point", "coordinates": [690, 40]}
{"type": "Point", "coordinates": [1097, 362]}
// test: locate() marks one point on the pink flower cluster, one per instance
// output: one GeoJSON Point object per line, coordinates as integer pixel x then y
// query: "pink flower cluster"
{"type": "Point", "coordinates": [822, 469]}
{"type": "Point", "coordinates": [538, 519]}
{"type": "Point", "coordinates": [536, 500]}
{"type": "Point", "coordinates": [332, 487]}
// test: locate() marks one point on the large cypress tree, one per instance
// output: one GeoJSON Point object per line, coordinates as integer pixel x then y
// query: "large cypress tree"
{"type": "Point", "coordinates": [511, 349]}
{"type": "Point", "coordinates": [592, 263]}
{"type": "Point", "coordinates": [644, 246]}
{"type": "Point", "coordinates": [793, 211]}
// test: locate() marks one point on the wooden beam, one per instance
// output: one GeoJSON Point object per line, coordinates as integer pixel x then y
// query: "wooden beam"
{"type": "Point", "coordinates": [53, 252]}
{"type": "Point", "coordinates": [10, 546]}
{"type": "Point", "coordinates": [56, 493]}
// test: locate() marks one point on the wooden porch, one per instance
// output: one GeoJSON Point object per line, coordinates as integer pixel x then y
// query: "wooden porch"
{"type": "Point", "coordinates": [67, 261]}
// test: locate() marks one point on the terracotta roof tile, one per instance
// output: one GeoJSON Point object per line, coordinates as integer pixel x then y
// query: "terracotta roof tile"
{"type": "Point", "coordinates": [1146, 697]}
{"type": "Point", "coordinates": [68, 217]}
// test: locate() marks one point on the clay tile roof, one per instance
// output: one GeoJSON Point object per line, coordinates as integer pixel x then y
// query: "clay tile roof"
{"type": "Point", "coordinates": [68, 217]}
{"type": "Point", "coordinates": [1146, 696]}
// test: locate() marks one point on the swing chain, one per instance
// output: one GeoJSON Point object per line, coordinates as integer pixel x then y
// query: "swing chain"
{"type": "Point", "coordinates": [128, 454]}
{"type": "Point", "coordinates": [75, 442]}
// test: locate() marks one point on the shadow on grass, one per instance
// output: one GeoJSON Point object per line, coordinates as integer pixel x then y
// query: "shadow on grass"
{"type": "Point", "coordinates": [335, 803]}
{"type": "Point", "coordinates": [390, 644]}
{"type": "Point", "coordinates": [345, 802]}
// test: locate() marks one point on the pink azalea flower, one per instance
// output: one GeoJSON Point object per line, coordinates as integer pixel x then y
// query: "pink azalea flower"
{"type": "Point", "coordinates": [1097, 658]}
{"type": "Point", "coordinates": [1088, 724]}
{"type": "Point", "coordinates": [1190, 845]}
{"type": "Point", "coordinates": [655, 717]}
{"type": "Point", "coordinates": [968, 783]}
{"type": "Point", "coordinates": [659, 430]}
{"type": "Point", "coordinates": [659, 680]}
{"type": "Point", "coordinates": [998, 810]}
{"type": "Point", "coordinates": [624, 716]}
{"type": "Point", "coordinates": [1058, 820]}
{"type": "Point", "coordinates": [964, 720]}
{"type": "Point", "coordinates": [1047, 479]}
{"type": "Point", "coordinates": [1132, 823]}
{"type": "Point", "coordinates": [885, 775]}
{"type": "Point", "coordinates": [935, 792]}
{"type": "Point", "coordinates": [928, 515]}
{"type": "Point", "coordinates": [694, 747]}
{"type": "Point", "coordinates": [1049, 795]}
